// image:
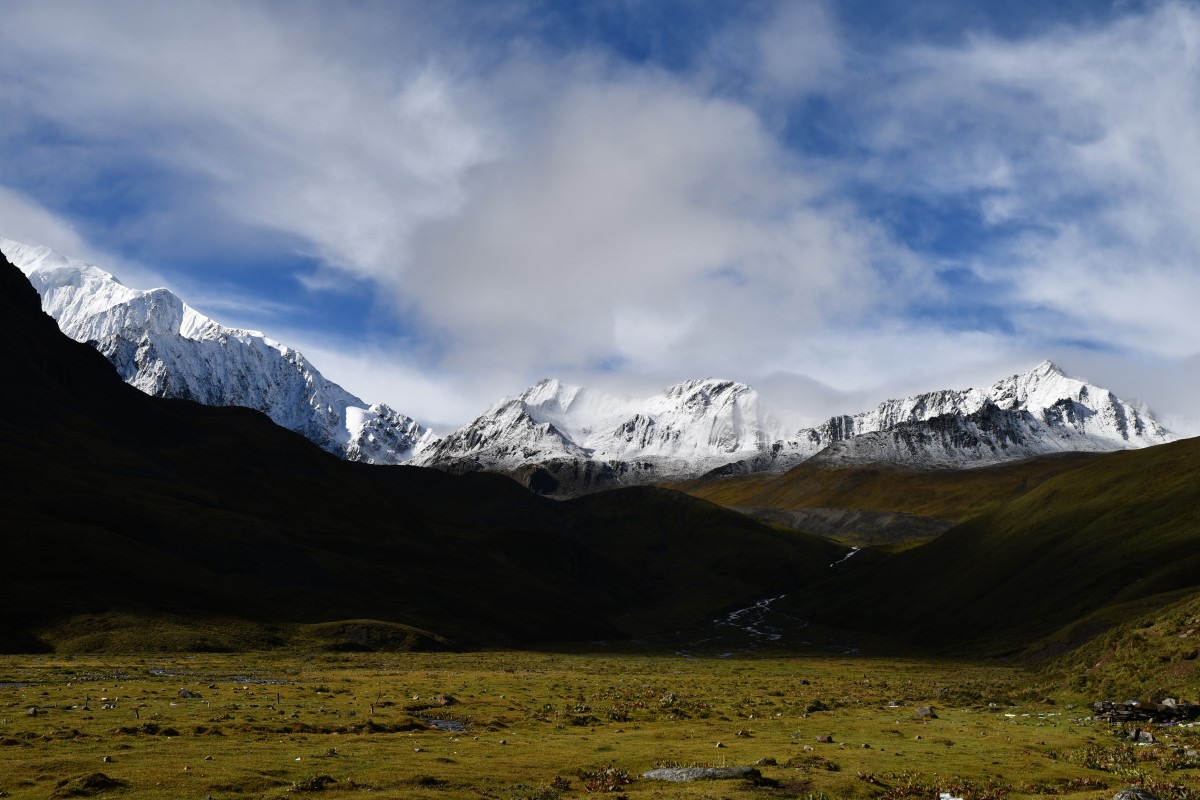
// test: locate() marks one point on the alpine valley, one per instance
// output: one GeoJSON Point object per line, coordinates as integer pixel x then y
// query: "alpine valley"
{"type": "Point", "coordinates": [136, 523]}
{"type": "Point", "coordinates": [565, 440]}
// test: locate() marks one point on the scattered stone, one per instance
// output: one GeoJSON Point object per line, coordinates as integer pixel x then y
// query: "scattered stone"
{"type": "Point", "coordinates": [765, 762]}
{"type": "Point", "coordinates": [866, 746]}
{"type": "Point", "coordinates": [744, 734]}
{"type": "Point", "coordinates": [1170, 710]}
{"type": "Point", "coordinates": [918, 736]}
{"type": "Point", "coordinates": [188, 694]}
{"type": "Point", "coordinates": [688, 774]}
{"type": "Point", "coordinates": [1141, 737]}
{"type": "Point", "coordinates": [504, 741]}
{"type": "Point", "coordinates": [208, 758]}
{"type": "Point", "coordinates": [720, 744]}
{"type": "Point", "coordinates": [809, 747]}
{"type": "Point", "coordinates": [926, 712]}
{"type": "Point", "coordinates": [106, 760]}
{"type": "Point", "coordinates": [1134, 793]}
{"type": "Point", "coordinates": [33, 712]}
{"type": "Point", "coordinates": [826, 739]}
{"type": "Point", "coordinates": [446, 700]}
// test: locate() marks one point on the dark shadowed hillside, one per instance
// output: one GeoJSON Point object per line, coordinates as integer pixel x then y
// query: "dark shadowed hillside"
{"type": "Point", "coordinates": [119, 509]}
{"type": "Point", "coordinates": [1084, 550]}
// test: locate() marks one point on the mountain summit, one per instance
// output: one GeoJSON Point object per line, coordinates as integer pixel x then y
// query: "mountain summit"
{"type": "Point", "coordinates": [164, 347]}
{"type": "Point", "coordinates": [565, 439]}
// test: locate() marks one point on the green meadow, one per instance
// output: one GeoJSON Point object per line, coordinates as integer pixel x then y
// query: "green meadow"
{"type": "Point", "coordinates": [541, 725]}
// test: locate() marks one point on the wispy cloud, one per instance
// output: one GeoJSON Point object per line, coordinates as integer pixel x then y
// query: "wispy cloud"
{"type": "Point", "coordinates": [779, 197]}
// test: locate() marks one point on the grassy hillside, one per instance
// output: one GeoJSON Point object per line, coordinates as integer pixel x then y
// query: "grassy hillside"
{"type": "Point", "coordinates": [952, 495]}
{"type": "Point", "coordinates": [126, 515]}
{"type": "Point", "coordinates": [1106, 540]}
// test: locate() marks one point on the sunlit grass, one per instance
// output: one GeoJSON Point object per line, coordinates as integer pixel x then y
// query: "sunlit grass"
{"type": "Point", "coordinates": [546, 725]}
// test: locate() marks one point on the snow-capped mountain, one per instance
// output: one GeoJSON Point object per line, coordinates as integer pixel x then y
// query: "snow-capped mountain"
{"type": "Point", "coordinates": [686, 430]}
{"type": "Point", "coordinates": [166, 348]}
{"type": "Point", "coordinates": [1039, 412]}
{"type": "Point", "coordinates": [573, 438]}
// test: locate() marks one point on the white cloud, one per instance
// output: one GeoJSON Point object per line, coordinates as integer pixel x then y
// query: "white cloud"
{"type": "Point", "coordinates": [646, 223]}
{"type": "Point", "coordinates": [298, 122]}
{"type": "Point", "coordinates": [26, 221]}
{"type": "Point", "coordinates": [1081, 146]}
{"type": "Point", "coordinates": [578, 215]}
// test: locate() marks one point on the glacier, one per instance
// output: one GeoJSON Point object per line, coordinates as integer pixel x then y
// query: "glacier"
{"type": "Point", "coordinates": [164, 347]}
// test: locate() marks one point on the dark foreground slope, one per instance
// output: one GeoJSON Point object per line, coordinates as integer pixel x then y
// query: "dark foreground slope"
{"type": "Point", "coordinates": [118, 506]}
{"type": "Point", "coordinates": [1084, 550]}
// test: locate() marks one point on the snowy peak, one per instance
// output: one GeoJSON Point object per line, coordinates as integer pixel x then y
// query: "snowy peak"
{"type": "Point", "coordinates": [1035, 413]}
{"type": "Point", "coordinates": [166, 348]}
{"type": "Point", "coordinates": [700, 425]}
{"type": "Point", "coordinates": [691, 426]}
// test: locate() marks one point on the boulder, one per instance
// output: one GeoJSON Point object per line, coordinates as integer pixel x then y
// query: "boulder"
{"type": "Point", "coordinates": [688, 774]}
{"type": "Point", "coordinates": [926, 712]}
{"type": "Point", "coordinates": [1134, 793]}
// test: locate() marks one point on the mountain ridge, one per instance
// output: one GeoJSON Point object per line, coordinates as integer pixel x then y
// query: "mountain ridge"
{"type": "Point", "coordinates": [164, 347]}
{"type": "Point", "coordinates": [718, 428]}
{"type": "Point", "coordinates": [562, 439]}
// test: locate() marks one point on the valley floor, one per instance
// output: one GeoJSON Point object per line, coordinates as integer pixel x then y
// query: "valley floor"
{"type": "Point", "coordinates": [537, 725]}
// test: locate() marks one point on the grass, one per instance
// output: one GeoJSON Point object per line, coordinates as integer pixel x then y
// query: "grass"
{"type": "Point", "coordinates": [546, 726]}
{"type": "Point", "coordinates": [950, 495]}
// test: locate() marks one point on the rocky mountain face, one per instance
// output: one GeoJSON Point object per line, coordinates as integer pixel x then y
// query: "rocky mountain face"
{"type": "Point", "coordinates": [164, 347]}
{"type": "Point", "coordinates": [563, 439]}
{"type": "Point", "coordinates": [1040, 412]}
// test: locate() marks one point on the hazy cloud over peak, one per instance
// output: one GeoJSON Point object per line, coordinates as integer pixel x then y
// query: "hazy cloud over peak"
{"type": "Point", "coordinates": [471, 196]}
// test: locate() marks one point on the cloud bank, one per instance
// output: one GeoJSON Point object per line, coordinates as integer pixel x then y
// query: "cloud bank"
{"type": "Point", "coordinates": [524, 194]}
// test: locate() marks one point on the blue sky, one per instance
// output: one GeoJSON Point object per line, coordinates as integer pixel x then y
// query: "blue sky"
{"type": "Point", "coordinates": [441, 203]}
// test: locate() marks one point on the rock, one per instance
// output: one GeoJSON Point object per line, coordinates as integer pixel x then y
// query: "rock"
{"type": "Point", "coordinates": [688, 774]}
{"type": "Point", "coordinates": [1141, 737]}
{"type": "Point", "coordinates": [188, 694]}
{"type": "Point", "coordinates": [765, 762]}
{"type": "Point", "coordinates": [926, 712]}
{"type": "Point", "coordinates": [446, 700]}
{"type": "Point", "coordinates": [33, 712]}
{"type": "Point", "coordinates": [1134, 793]}
{"type": "Point", "coordinates": [720, 744]}
{"type": "Point", "coordinates": [826, 739]}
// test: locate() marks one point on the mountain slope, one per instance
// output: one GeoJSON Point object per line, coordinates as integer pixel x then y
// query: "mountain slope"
{"type": "Point", "coordinates": [1106, 540]}
{"type": "Point", "coordinates": [123, 506]}
{"type": "Point", "coordinates": [1040, 412]}
{"type": "Point", "coordinates": [552, 427]}
{"type": "Point", "coordinates": [165, 348]}
{"type": "Point", "coordinates": [562, 439]}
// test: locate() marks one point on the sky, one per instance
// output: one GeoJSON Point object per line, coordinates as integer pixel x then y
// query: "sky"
{"type": "Point", "coordinates": [442, 203]}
